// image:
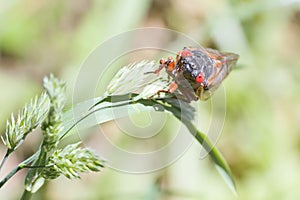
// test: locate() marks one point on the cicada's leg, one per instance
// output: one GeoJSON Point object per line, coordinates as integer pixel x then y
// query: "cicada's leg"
{"type": "Point", "coordinates": [172, 88]}
{"type": "Point", "coordinates": [168, 64]}
{"type": "Point", "coordinates": [161, 66]}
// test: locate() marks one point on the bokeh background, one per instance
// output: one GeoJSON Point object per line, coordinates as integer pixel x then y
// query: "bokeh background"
{"type": "Point", "coordinates": [260, 139]}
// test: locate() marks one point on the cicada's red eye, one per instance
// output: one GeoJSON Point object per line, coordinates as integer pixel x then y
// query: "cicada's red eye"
{"type": "Point", "coordinates": [200, 78]}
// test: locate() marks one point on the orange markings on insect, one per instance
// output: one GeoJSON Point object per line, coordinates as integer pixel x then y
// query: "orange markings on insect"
{"type": "Point", "coordinates": [173, 87]}
{"type": "Point", "coordinates": [214, 56]}
{"type": "Point", "coordinates": [171, 65]}
{"type": "Point", "coordinates": [218, 63]}
{"type": "Point", "coordinates": [185, 53]}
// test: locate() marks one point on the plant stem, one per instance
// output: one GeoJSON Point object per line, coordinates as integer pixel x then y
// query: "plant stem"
{"type": "Point", "coordinates": [92, 112]}
{"type": "Point", "coordinates": [18, 168]}
{"type": "Point", "coordinates": [35, 166]}
{"type": "Point", "coordinates": [34, 172]}
{"type": "Point", "coordinates": [13, 172]}
{"type": "Point", "coordinates": [5, 158]}
{"type": "Point", "coordinates": [26, 195]}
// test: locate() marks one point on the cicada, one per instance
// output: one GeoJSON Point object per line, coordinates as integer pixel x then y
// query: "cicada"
{"type": "Point", "coordinates": [197, 72]}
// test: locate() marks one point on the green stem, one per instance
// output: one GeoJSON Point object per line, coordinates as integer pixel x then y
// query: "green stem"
{"type": "Point", "coordinates": [35, 166]}
{"type": "Point", "coordinates": [13, 172]}
{"type": "Point", "coordinates": [18, 168]}
{"type": "Point", "coordinates": [5, 158]}
{"type": "Point", "coordinates": [88, 114]}
{"type": "Point", "coordinates": [111, 99]}
{"type": "Point", "coordinates": [209, 147]}
{"type": "Point", "coordinates": [26, 195]}
{"type": "Point", "coordinates": [33, 173]}
{"type": "Point", "coordinates": [9, 151]}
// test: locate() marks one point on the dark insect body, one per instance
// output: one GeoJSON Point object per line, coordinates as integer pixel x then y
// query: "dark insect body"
{"type": "Point", "coordinates": [197, 72]}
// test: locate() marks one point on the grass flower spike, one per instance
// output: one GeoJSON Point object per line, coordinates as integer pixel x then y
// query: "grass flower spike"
{"type": "Point", "coordinates": [52, 126]}
{"type": "Point", "coordinates": [30, 117]}
{"type": "Point", "coordinates": [70, 161]}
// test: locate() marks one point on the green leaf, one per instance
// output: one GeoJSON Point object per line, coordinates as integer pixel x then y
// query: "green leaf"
{"type": "Point", "coordinates": [81, 117]}
{"type": "Point", "coordinates": [105, 111]}
{"type": "Point", "coordinates": [216, 156]}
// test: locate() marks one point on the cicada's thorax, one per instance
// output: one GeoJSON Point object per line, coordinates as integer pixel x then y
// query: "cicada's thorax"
{"type": "Point", "coordinates": [192, 64]}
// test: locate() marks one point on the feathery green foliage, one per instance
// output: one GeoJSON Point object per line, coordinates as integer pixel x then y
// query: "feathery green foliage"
{"type": "Point", "coordinates": [29, 118]}
{"type": "Point", "coordinates": [52, 126]}
{"type": "Point", "coordinates": [51, 163]}
{"type": "Point", "coordinates": [70, 161]}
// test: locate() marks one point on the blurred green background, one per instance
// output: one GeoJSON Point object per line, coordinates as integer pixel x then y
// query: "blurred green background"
{"type": "Point", "coordinates": [260, 139]}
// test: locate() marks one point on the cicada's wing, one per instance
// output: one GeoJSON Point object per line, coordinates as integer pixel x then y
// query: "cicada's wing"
{"type": "Point", "coordinates": [224, 63]}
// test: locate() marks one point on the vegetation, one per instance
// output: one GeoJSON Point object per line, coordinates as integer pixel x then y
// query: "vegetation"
{"type": "Point", "coordinates": [260, 138]}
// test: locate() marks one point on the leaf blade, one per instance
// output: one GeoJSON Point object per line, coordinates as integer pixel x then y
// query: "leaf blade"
{"type": "Point", "coordinates": [181, 110]}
